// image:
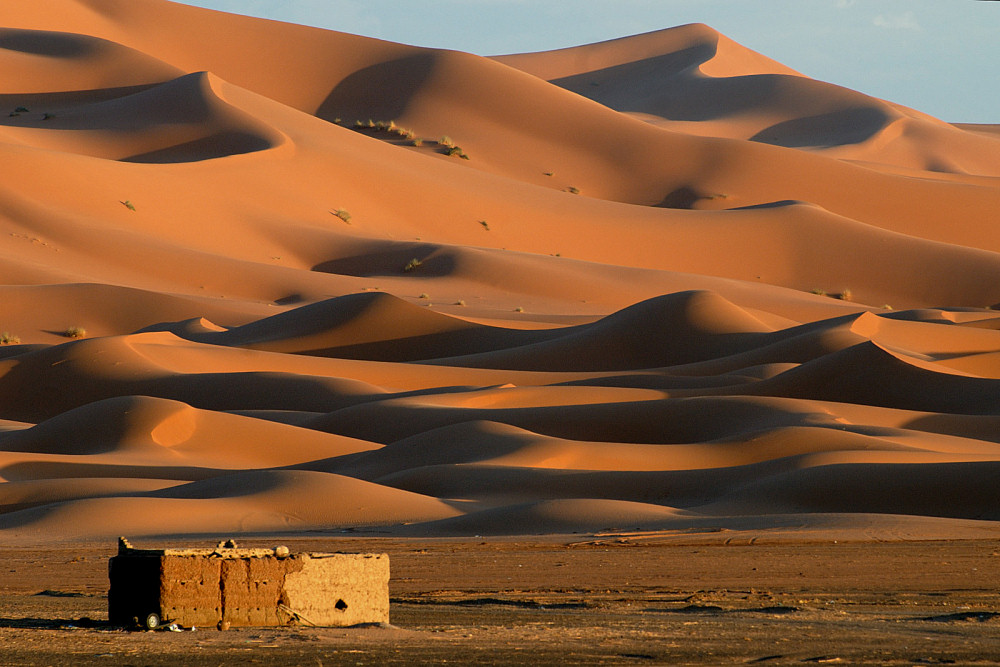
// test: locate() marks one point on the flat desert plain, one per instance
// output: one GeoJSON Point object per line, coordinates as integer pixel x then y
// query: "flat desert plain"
{"type": "Point", "coordinates": [270, 280]}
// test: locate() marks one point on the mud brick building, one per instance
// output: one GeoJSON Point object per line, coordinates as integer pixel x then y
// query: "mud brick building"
{"type": "Point", "coordinates": [230, 586]}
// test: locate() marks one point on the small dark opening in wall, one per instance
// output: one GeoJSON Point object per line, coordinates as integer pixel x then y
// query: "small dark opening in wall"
{"type": "Point", "coordinates": [341, 605]}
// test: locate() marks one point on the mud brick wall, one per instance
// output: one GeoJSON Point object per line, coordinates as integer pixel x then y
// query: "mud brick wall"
{"type": "Point", "coordinates": [189, 589]}
{"type": "Point", "coordinates": [251, 590]}
{"type": "Point", "coordinates": [342, 589]}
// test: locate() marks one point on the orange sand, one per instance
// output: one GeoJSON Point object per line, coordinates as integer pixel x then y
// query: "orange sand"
{"type": "Point", "coordinates": [603, 318]}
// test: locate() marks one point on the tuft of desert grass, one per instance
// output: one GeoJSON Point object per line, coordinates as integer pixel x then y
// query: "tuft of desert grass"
{"type": "Point", "coordinates": [412, 265]}
{"type": "Point", "coordinates": [75, 332]}
{"type": "Point", "coordinates": [7, 338]}
{"type": "Point", "coordinates": [343, 215]}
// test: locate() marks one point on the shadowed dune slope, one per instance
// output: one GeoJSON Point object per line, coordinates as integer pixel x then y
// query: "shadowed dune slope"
{"type": "Point", "coordinates": [265, 278]}
{"type": "Point", "coordinates": [183, 120]}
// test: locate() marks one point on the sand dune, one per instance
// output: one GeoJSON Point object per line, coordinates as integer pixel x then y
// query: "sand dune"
{"type": "Point", "coordinates": [662, 282]}
{"type": "Point", "coordinates": [692, 79]}
{"type": "Point", "coordinates": [182, 120]}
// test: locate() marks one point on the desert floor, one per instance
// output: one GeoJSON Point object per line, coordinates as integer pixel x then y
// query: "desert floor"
{"type": "Point", "coordinates": [632, 599]}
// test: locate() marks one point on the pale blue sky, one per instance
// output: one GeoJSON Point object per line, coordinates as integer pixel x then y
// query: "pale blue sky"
{"type": "Point", "coordinates": [939, 56]}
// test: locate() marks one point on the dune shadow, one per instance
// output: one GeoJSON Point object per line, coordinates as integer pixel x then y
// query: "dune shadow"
{"type": "Point", "coordinates": [241, 390]}
{"type": "Point", "coordinates": [40, 102]}
{"type": "Point", "coordinates": [681, 198]}
{"type": "Point", "coordinates": [670, 87]}
{"type": "Point", "coordinates": [600, 83]}
{"type": "Point", "coordinates": [247, 390]}
{"type": "Point", "coordinates": [46, 43]}
{"type": "Point", "coordinates": [381, 91]}
{"type": "Point", "coordinates": [203, 129]}
{"type": "Point", "coordinates": [780, 203]}
{"type": "Point", "coordinates": [221, 144]}
{"type": "Point", "coordinates": [11, 350]}
{"type": "Point", "coordinates": [681, 489]}
{"type": "Point", "coordinates": [980, 427]}
{"type": "Point", "coordinates": [139, 112]}
{"type": "Point", "coordinates": [686, 197]}
{"type": "Point", "coordinates": [660, 87]}
{"type": "Point", "coordinates": [835, 128]}
{"type": "Point", "coordinates": [395, 259]}
{"type": "Point", "coordinates": [433, 346]}
{"type": "Point", "coordinates": [33, 470]}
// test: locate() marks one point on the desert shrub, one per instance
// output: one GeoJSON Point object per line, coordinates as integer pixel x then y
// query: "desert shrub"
{"type": "Point", "coordinates": [412, 265]}
{"type": "Point", "coordinates": [7, 338]}
{"type": "Point", "coordinates": [343, 215]}
{"type": "Point", "coordinates": [75, 332]}
{"type": "Point", "coordinates": [387, 126]}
